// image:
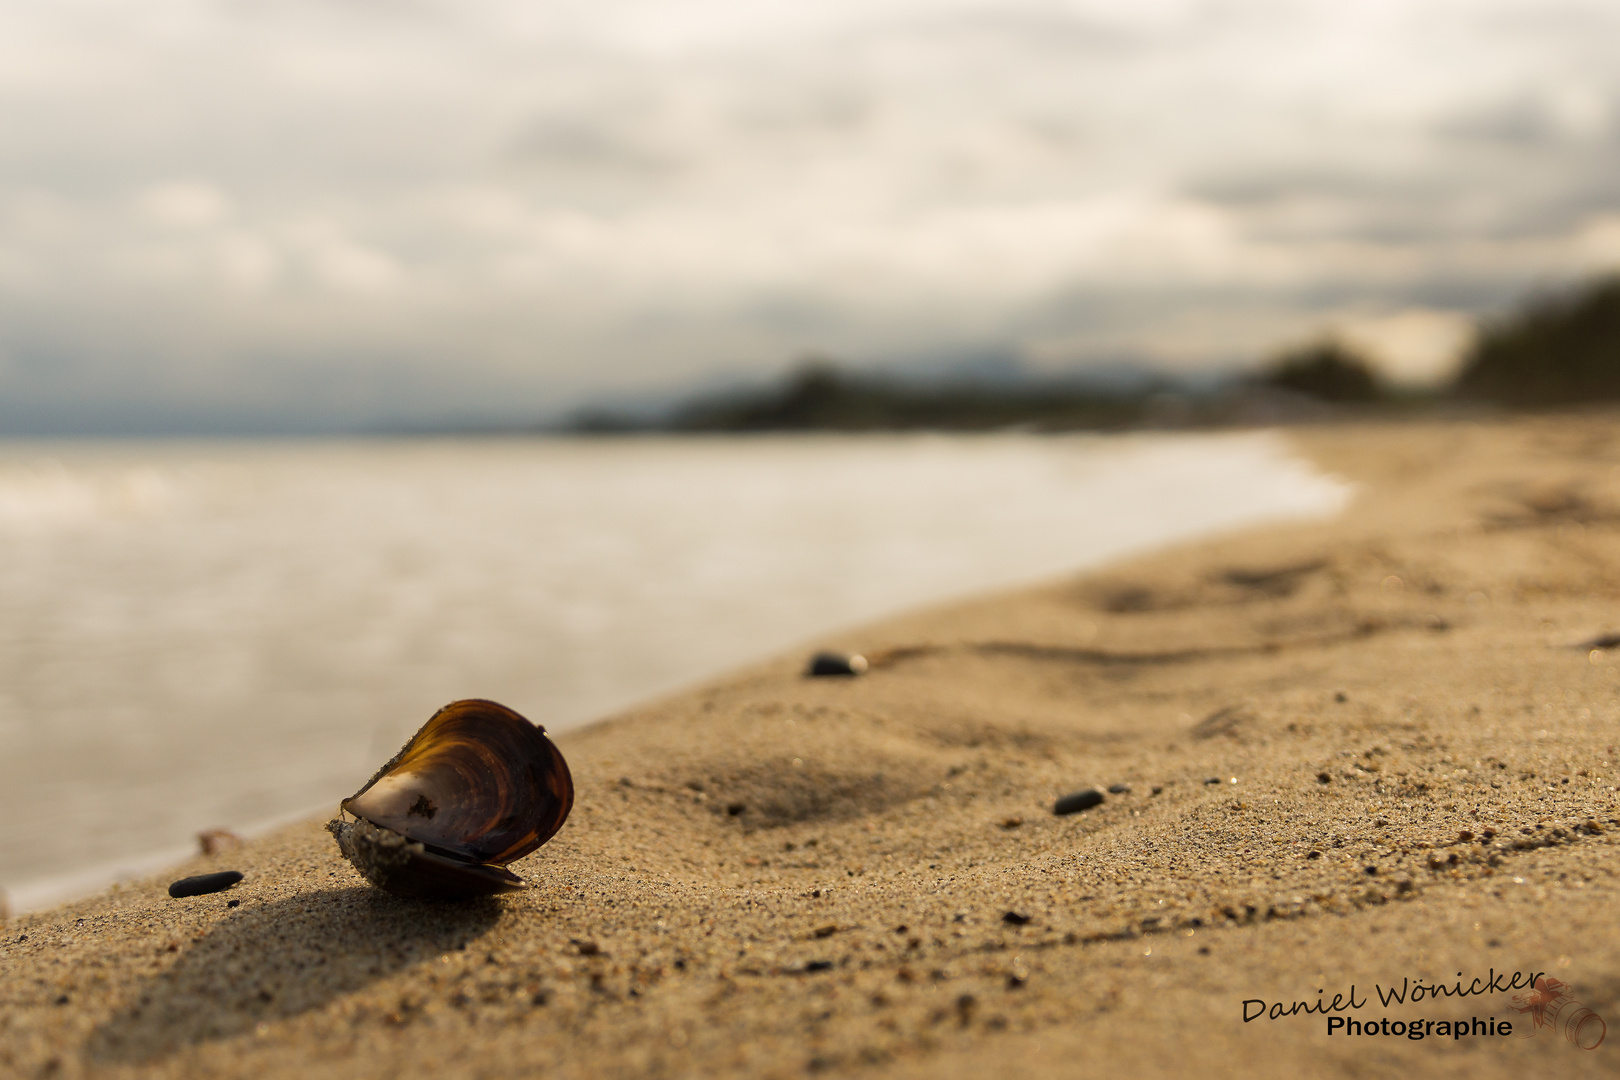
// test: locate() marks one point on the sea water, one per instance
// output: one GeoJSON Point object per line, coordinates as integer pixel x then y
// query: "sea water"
{"type": "Point", "coordinates": [231, 635]}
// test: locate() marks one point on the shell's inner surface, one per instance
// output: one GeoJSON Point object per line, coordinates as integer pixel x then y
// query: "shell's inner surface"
{"type": "Point", "coordinates": [476, 788]}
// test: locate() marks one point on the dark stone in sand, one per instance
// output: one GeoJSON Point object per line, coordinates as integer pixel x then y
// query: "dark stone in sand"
{"type": "Point", "coordinates": [1119, 789]}
{"type": "Point", "coordinates": [204, 883]}
{"type": "Point", "coordinates": [1080, 800]}
{"type": "Point", "coordinates": [1015, 918]}
{"type": "Point", "coordinates": [833, 663]}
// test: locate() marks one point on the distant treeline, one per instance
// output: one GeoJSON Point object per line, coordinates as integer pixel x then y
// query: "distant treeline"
{"type": "Point", "coordinates": [1555, 351]}
{"type": "Point", "coordinates": [1561, 349]}
{"type": "Point", "coordinates": [820, 396]}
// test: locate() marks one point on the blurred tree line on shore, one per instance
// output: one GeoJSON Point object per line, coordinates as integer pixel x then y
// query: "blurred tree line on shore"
{"type": "Point", "coordinates": [1562, 349]}
{"type": "Point", "coordinates": [1556, 350]}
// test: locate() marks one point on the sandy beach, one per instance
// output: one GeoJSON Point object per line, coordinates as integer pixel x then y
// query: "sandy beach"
{"type": "Point", "coordinates": [1373, 753]}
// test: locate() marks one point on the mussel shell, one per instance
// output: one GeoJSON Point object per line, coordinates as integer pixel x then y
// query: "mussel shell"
{"type": "Point", "coordinates": [478, 784]}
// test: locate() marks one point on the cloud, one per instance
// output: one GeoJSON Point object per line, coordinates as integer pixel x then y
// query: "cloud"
{"type": "Point", "coordinates": [1414, 347]}
{"type": "Point", "coordinates": [215, 208]}
{"type": "Point", "coordinates": [184, 205]}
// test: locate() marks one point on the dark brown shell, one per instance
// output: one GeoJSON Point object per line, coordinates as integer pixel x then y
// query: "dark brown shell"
{"type": "Point", "coordinates": [476, 788]}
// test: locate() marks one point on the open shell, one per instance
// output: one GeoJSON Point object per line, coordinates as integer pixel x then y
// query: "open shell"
{"type": "Point", "coordinates": [478, 787]}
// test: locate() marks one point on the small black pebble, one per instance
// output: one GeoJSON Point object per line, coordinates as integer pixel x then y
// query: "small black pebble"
{"type": "Point", "coordinates": [1371, 869]}
{"type": "Point", "coordinates": [832, 663]}
{"type": "Point", "coordinates": [1157, 788]}
{"type": "Point", "coordinates": [1323, 778]}
{"type": "Point", "coordinates": [818, 965]}
{"type": "Point", "coordinates": [204, 883]}
{"type": "Point", "coordinates": [1313, 855]}
{"type": "Point", "coordinates": [233, 903]}
{"type": "Point", "coordinates": [1080, 800]}
{"type": "Point", "coordinates": [1015, 918]}
{"type": "Point", "coordinates": [63, 1000]}
{"type": "Point", "coordinates": [1119, 789]}
{"type": "Point", "coordinates": [1212, 780]}
{"type": "Point", "coordinates": [1340, 698]}
{"type": "Point", "coordinates": [735, 808]}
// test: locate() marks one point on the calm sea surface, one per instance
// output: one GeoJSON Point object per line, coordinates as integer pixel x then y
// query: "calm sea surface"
{"type": "Point", "coordinates": [199, 635]}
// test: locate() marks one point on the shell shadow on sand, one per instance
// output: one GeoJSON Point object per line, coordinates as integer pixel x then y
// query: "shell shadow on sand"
{"type": "Point", "coordinates": [264, 963]}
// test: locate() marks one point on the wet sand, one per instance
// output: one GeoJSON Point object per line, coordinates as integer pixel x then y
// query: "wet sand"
{"type": "Point", "coordinates": [1359, 752]}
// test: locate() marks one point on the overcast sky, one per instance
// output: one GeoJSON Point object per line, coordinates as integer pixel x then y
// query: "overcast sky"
{"type": "Point", "coordinates": [298, 214]}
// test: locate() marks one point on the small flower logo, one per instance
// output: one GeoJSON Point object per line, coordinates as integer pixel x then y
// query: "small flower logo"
{"type": "Point", "coordinates": [1549, 1004]}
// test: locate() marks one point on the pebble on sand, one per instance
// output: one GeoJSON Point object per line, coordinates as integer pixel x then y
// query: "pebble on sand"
{"type": "Point", "coordinates": [1080, 800]}
{"type": "Point", "coordinates": [217, 841]}
{"type": "Point", "coordinates": [835, 663]}
{"type": "Point", "coordinates": [204, 883]}
{"type": "Point", "coordinates": [1119, 789]}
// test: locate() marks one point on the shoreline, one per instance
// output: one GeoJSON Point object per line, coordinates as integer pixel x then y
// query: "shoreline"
{"type": "Point", "coordinates": [1414, 773]}
{"type": "Point", "coordinates": [626, 598]}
